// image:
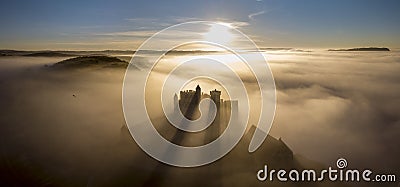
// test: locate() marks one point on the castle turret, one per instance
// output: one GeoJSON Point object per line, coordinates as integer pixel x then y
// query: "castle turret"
{"type": "Point", "coordinates": [198, 94]}
{"type": "Point", "coordinates": [176, 103]}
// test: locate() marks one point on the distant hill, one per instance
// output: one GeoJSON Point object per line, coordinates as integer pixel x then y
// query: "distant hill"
{"type": "Point", "coordinates": [276, 48]}
{"type": "Point", "coordinates": [48, 54]}
{"type": "Point", "coordinates": [91, 61]}
{"type": "Point", "coordinates": [63, 53]}
{"type": "Point", "coordinates": [363, 49]}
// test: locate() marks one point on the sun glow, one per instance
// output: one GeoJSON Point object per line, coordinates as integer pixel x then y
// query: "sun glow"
{"type": "Point", "coordinates": [219, 33]}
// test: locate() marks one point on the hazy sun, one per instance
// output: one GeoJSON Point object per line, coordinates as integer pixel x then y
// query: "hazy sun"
{"type": "Point", "coordinates": [219, 33]}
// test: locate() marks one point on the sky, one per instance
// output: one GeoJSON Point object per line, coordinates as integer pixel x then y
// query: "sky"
{"type": "Point", "coordinates": [98, 25]}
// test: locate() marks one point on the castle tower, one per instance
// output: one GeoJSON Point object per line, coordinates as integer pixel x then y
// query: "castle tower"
{"type": "Point", "coordinates": [189, 102]}
{"type": "Point", "coordinates": [216, 97]}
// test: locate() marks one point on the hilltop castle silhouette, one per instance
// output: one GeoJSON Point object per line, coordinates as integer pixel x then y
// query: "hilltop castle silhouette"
{"type": "Point", "coordinates": [189, 100]}
{"type": "Point", "coordinates": [273, 151]}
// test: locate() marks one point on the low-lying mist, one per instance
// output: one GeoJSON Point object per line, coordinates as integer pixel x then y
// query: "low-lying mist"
{"type": "Point", "coordinates": [70, 122]}
{"type": "Point", "coordinates": [340, 104]}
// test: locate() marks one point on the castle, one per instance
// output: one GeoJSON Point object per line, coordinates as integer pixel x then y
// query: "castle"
{"type": "Point", "coordinates": [189, 100]}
